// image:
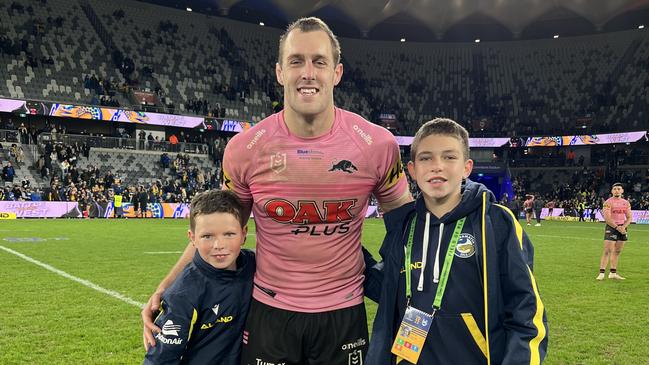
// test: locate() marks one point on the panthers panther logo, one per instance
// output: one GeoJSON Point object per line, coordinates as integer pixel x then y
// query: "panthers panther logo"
{"type": "Point", "coordinates": [344, 165]}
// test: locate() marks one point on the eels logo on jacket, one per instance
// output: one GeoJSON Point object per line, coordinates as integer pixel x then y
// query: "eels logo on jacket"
{"type": "Point", "coordinates": [465, 246]}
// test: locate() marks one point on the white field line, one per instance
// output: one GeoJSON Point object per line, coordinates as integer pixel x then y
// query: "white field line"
{"type": "Point", "coordinates": [83, 282]}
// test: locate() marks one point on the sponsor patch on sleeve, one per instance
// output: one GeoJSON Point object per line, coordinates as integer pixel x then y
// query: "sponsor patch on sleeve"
{"type": "Point", "coordinates": [394, 174]}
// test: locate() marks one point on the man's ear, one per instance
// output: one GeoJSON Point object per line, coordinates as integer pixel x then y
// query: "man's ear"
{"type": "Point", "coordinates": [279, 74]}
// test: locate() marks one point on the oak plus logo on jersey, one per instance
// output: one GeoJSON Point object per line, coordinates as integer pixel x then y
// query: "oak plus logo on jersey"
{"type": "Point", "coordinates": [332, 218]}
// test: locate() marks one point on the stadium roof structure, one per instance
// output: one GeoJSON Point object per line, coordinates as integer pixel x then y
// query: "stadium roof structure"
{"type": "Point", "coordinates": [438, 20]}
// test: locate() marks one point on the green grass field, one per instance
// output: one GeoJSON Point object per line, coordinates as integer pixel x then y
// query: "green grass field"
{"type": "Point", "coordinates": [49, 318]}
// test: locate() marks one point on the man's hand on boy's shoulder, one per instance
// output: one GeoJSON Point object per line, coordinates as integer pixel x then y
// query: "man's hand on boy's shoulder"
{"type": "Point", "coordinates": [149, 310]}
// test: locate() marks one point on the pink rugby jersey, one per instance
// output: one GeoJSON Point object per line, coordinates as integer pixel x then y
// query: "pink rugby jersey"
{"type": "Point", "coordinates": [310, 196]}
{"type": "Point", "coordinates": [618, 207]}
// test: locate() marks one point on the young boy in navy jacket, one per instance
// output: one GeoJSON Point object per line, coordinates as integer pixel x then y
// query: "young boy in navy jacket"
{"type": "Point", "coordinates": [204, 311]}
{"type": "Point", "coordinates": [457, 283]}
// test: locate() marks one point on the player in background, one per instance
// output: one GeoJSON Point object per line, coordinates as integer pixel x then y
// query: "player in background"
{"type": "Point", "coordinates": [550, 205]}
{"type": "Point", "coordinates": [617, 214]}
{"type": "Point", "coordinates": [528, 205]}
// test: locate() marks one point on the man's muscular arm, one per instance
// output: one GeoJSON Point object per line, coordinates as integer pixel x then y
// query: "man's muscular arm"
{"type": "Point", "coordinates": [403, 199]}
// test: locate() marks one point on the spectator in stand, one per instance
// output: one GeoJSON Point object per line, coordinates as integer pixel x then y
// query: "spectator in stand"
{"type": "Point", "coordinates": [173, 140]}
{"type": "Point", "coordinates": [8, 173]}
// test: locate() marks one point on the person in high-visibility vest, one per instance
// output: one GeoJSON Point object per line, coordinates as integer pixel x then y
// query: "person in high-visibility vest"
{"type": "Point", "coordinates": [117, 204]}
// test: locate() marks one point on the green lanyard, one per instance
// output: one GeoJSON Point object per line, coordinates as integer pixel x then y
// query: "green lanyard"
{"type": "Point", "coordinates": [446, 269]}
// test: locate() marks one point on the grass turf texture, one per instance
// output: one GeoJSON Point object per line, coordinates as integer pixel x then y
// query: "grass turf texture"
{"type": "Point", "coordinates": [48, 319]}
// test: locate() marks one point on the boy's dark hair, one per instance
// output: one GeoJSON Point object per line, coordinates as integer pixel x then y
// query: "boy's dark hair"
{"type": "Point", "coordinates": [306, 25]}
{"type": "Point", "coordinates": [444, 127]}
{"type": "Point", "coordinates": [617, 184]}
{"type": "Point", "coordinates": [215, 201]}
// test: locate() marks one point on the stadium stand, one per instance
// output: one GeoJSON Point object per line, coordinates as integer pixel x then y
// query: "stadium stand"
{"type": "Point", "coordinates": [195, 64]}
{"type": "Point", "coordinates": [146, 57]}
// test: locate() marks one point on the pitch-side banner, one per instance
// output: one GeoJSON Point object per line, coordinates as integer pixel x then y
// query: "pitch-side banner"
{"type": "Point", "coordinates": [119, 115]}
{"type": "Point", "coordinates": [473, 142]}
{"type": "Point", "coordinates": [587, 139]}
{"type": "Point", "coordinates": [43, 209]}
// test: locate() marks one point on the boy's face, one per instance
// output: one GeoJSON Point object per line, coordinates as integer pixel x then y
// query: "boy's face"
{"type": "Point", "coordinates": [308, 73]}
{"type": "Point", "coordinates": [439, 167]}
{"type": "Point", "coordinates": [218, 237]}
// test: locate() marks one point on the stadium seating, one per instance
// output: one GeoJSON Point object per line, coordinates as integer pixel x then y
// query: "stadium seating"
{"type": "Point", "coordinates": [539, 86]}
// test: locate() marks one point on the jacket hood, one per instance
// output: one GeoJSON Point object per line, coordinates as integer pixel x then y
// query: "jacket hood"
{"type": "Point", "coordinates": [471, 201]}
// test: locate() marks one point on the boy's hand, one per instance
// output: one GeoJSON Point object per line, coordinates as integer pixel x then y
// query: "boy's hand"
{"type": "Point", "coordinates": [150, 308]}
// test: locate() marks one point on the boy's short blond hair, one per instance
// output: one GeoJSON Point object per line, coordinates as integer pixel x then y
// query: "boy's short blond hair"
{"type": "Point", "coordinates": [215, 201]}
{"type": "Point", "coordinates": [310, 24]}
{"type": "Point", "coordinates": [443, 127]}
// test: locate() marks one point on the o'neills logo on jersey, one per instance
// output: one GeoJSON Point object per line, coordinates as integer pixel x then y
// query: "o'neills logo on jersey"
{"type": "Point", "coordinates": [365, 136]}
{"type": "Point", "coordinates": [309, 217]}
{"type": "Point", "coordinates": [256, 138]}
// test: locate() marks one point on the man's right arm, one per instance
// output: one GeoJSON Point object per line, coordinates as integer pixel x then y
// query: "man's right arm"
{"type": "Point", "coordinates": [606, 212]}
{"type": "Point", "coordinates": [153, 305]}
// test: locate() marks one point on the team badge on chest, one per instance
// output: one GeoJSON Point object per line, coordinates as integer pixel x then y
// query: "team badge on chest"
{"type": "Point", "coordinates": [465, 246]}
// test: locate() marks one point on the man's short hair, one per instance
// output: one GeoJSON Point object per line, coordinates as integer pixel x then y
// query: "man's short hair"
{"type": "Point", "coordinates": [444, 127]}
{"type": "Point", "coordinates": [310, 24]}
{"type": "Point", "coordinates": [617, 184]}
{"type": "Point", "coordinates": [215, 201]}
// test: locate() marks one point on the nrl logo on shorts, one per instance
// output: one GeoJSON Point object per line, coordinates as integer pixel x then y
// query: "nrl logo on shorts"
{"type": "Point", "coordinates": [278, 162]}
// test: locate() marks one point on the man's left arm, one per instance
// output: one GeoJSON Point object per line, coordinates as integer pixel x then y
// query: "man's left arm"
{"type": "Point", "coordinates": [525, 318]}
{"type": "Point", "coordinates": [405, 198]}
{"type": "Point", "coordinates": [629, 218]}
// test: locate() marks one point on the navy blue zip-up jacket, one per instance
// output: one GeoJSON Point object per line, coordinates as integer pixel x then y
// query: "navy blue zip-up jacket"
{"type": "Point", "coordinates": [490, 286]}
{"type": "Point", "coordinates": [203, 314]}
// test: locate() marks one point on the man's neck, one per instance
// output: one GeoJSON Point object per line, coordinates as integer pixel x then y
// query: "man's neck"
{"type": "Point", "coordinates": [309, 126]}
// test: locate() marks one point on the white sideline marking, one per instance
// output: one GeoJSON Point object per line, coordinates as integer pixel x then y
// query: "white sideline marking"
{"type": "Point", "coordinates": [83, 282]}
{"type": "Point", "coordinates": [162, 252]}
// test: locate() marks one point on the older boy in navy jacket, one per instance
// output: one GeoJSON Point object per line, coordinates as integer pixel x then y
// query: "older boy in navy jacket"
{"type": "Point", "coordinates": [457, 269]}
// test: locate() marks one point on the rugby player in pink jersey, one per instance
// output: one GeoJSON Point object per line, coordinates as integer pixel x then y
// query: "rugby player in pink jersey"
{"type": "Point", "coordinates": [617, 214]}
{"type": "Point", "coordinates": [307, 174]}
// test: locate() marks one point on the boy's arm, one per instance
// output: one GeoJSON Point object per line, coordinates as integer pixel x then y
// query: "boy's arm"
{"type": "Point", "coordinates": [176, 319]}
{"type": "Point", "coordinates": [153, 304]}
{"type": "Point", "coordinates": [373, 276]}
{"type": "Point", "coordinates": [525, 319]}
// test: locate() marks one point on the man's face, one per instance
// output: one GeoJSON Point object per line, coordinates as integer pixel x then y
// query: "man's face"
{"type": "Point", "coordinates": [308, 72]}
{"type": "Point", "coordinates": [617, 191]}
